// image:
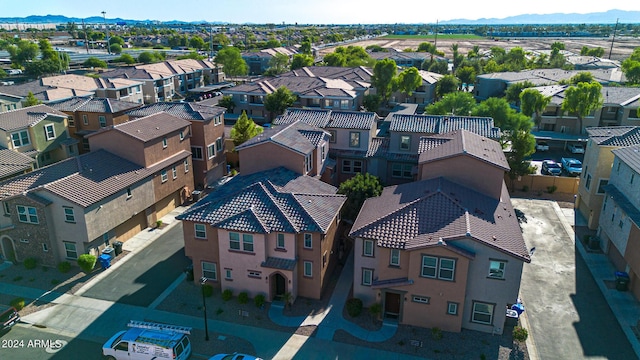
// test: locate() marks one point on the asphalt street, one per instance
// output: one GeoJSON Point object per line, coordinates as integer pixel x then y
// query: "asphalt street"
{"type": "Point", "coordinates": [568, 315]}
{"type": "Point", "coordinates": [28, 343]}
{"type": "Point", "coordinates": [139, 282]}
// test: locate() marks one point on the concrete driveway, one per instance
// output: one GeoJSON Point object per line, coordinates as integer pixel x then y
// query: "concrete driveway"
{"type": "Point", "coordinates": [567, 314]}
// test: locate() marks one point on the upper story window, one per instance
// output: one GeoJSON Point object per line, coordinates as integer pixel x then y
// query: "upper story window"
{"type": "Point", "coordinates": [308, 164]}
{"type": "Point", "coordinates": [496, 269]}
{"type": "Point", "coordinates": [50, 131]}
{"type": "Point", "coordinates": [186, 165]}
{"type": "Point", "coordinates": [344, 104]}
{"type": "Point", "coordinates": [333, 133]}
{"type": "Point", "coordinates": [308, 241]}
{"type": "Point", "coordinates": [217, 120]}
{"type": "Point", "coordinates": [71, 121]}
{"type": "Point", "coordinates": [219, 144]}
{"type": "Point", "coordinates": [196, 152]}
{"type": "Point", "coordinates": [394, 259]}
{"type": "Point", "coordinates": [280, 241]}
{"type": "Point", "coordinates": [102, 120]}
{"type": "Point", "coordinates": [20, 138]}
{"type": "Point", "coordinates": [27, 214]}
{"type": "Point", "coordinates": [181, 135]}
{"type": "Point", "coordinates": [85, 119]}
{"type": "Point", "coordinates": [174, 172]}
{"type": "Point", "coordinates": [200, 231]}
{"type": "Point", "coordinates": [354, 139]}
{"type": "Point", "coordinates": [247, 242]}
{"type": "Point", "coordinates": [164, 142]}
{"type": "Point", "coordinates": [438, 268]}
{"type": "Point", "coordinates": [405, 142]}
{"type": "Point", "coordinates": [367, 248]}
{"type": "Point", "coordinates": [164, 175]}
{"type": "Point", "coordinates": [69, 216]}
{"type": "Point", "coordinates": [244, 98]}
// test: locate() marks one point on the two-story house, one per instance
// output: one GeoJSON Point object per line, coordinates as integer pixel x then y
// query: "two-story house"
{"type": "Point", "coordinates": [136, 173]}
{"type": "Point", "coordinates": [156, 86]}
{"type": "Point", "coordinates": [207, 136]}
{"type": "Point", "coordinates": [37, 131]}
{"type": "Point", "coordinates": [271, 232]}
{"type": "Point", "coordinates": [619, 225]}
{"type": "Point", "coordinates": [120, 89]}
{"type": "Point", "coordinates": [445, 251]}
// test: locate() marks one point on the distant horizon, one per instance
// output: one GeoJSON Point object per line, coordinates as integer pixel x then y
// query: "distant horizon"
{"type": "Point", "coordinates": [343, 12]}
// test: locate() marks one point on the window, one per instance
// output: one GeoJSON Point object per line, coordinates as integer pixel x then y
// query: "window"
{"type": "Point", "coordinates": [186, 165]}
{"type": "Point", "coordinates": [218, 120]}
{"type": "Point", "coordinates": [228, 274]}
{"type": "Point", "coordinates": [129, 193]}
{"type": "Point", "coordinates": [482, 313]}
{"type": "Point", "coordinates": [588, 183]}
{"type": "Point", "coordinates": [247, 242]}
{"type": "Point", "coordinates": [196, 152]}
{"type": "Point", "coordinates": [308, 241]}
{"type": "Point", "coordinates": [308, 164]}
{"type": "Point", "coordinates": [211, 150]}
{"type": "Point", "coordinates": [254, 274]}
{"type": "Point", "coordinates": [438, 268]}
{"type": "Point", "coordinates": [367, 276]}
{"type": "Point", "coordinates": [71, 121]}
{"type": "Point", "coordinates": [234, 241]}
{"type": "Point", "coordinates": [351, 166]}
{"type": "Point", "coordinates": [496, 269]}
{"type": "Point", "coordinates": [420, 299]}
{"type": "Point", "coordinates": [181, 135]}
{"type": "Point", "coordinates": [174, 172]}
{"type": "Point", "coordinates": [333, 134]}
{"type": "Point", "coordinates": [68, 215]}
{"type": "Point", "coordinates": [354, 139]}
{"type": "Point", "coordinates": [45, 248]}
{"type": "Point", "coordinates": [50, 131]}
{"type": "Point", "coordinates": [394, 260]}
{"type": "Point", "coordinates": [209, 270]}
{"type": "Point", "coordinates": [405, 142]}
{"type": "Point", "coordinates": [367, 248]}
{"type": "Point", "coordinates": [429, 266]}
{"type": "Point", "coordinates": [344, 104]}
{"type": "Point", "coordinates": [585, 172]}
{"type": "Point", "coordinates": [201, 231]}
{"type": "Point", "coordinates": [280, 241]}
{"type": "Point", "coordinates": [452, 308]}
{"type": "Point", "coordinates": [243, 98]}
{"type": "Point", "coordinates": [601, 184]}
{"type": "Point", "coordinates": [402, 171]}
{"type": "Point", "coordinates": [164, 175]}
{"type": "Point", "coordinates": [122, 346]}
{"type": "Point", "coordinates": [85, 119]}
{"type": "Point", "coordinates": [20, 138]}
{"type": "Point", "coordinates": [447, 269]}
{"type": "Point", "coordinates": [308, 269]}
{"type": "Point", "coordinates": [164, 142]}
{"type": "Point", "coordinates": [27, 214]}
{"type": "Point", "coordinates": [6, 207]}
{"type": "Point", "coordinates": [102, 120]}
{"type": "Point", "coordinates": [618, 167]}
{"type": "Point", "coordinates": [219, 144]}
{"type": "Point", "coordinates": [70, 250]}
{"type": "Point", "coordinates": [324, 259]}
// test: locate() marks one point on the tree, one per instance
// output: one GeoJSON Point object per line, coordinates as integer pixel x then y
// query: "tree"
{"type": "Point", "coordinates": [196, 42]}
{"type": "Point", "coordinates": [408, 80]}
{"type": "Point", "coordinates": [116, 40]}
{"type": "Point", "coordinates": [522, 146]}
{"type": "Point", "coordinates": [631, 67]}
{"type": "Point", "coordinates": [305, 48]}
{"type": "Point", "coordinates": [436, 66]}
{"type": "Point", "coordinates": [582, 99]}
{"type": "Point", "coordinates": [146, 57]}
{"type": "Point", "coordinates": [371, 102]}
{"type": "Point", "coordinates": [358, 189]}
{"type": "Point", "coordinates": [22, 52]}
{"type": "Point", "coordinates": [455, 103]}
{"type": "Point", "coordinates": [31, 100]}
{"type": "Point", "coordinates": [467, 75]}
{"type": "Point", "coordinates": [350, 56]}
{"type": "Point", "coordinates": [273, 43]}
{"type": "Point", "coordinates": [383, 76]}
{"type": "Point", "coordinates": [278, 101]}
{"type": "Point", "coordinates": [278, 64]}
{"type": "Point", "coordinates": [512, 93]}
{"type": "Point", "coordinates": [232, 62]}
{"type": "Point", "coordinates": [244, 129]}
{"type": "Point", "coordinates": [335, 59]}
{"type": "Point", "coordinates": [301, 60]}
{"type": "Point", "coordinates": [228, 103]}
{"type": "Point", "coordinates": [533, 103]}
{"type": "Point", "coordinates": [125, 58]}
{"type": "Point", "coordinates": [94, 62]}
{"type": "Point", "coordinates": [446, 84]}
{"type": "Point", "coordinates": [115, 48]}
{"type": "Point", "coordinates": [457, 57]}
{"type": "Point", "coordinates": [3, 73]}
{"type": "Point", "coordinates": [192, 55]}
{"type": "Point", "coordinates": [498, 109]}
{"type": "Point", "coordinates": [376, 48]}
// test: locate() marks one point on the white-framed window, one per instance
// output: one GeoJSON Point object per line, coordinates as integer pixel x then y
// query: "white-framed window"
{"type": "Point", "coordinates": [308, 241]}
{"type": "Point", "coordinates": [200, 231]}
{"type": "Point", "coordinates": [438, 268]}
{"type": "Point", "coordinates": [496, 269]}
{"type": "Point", "coordinates": [482, 313]}
{"type": "Point", "coordinates": [354, 139]}
{"type": "Point", "coordinates": [27, 214]}
{"type": "Point", "coordinates": [129, 195]}
{"type": "Point", "coordinates": [308, 268]}
{"type": "Point", "coordinates": [405, 142]}
{"type": "Point", "coordinates": [447, 269]}
{"type": "Point", "coordinates": [164, 176]}
{"type": "Point", "coordinates": [601, 184]}
{"type": "Point", "coordinates": [244, 98]}
{"type": "Point", "coordinates": [333, 133]}
{"type": "Point", "coordinates": [102, 120]}
{"type": "Point", "coordinates": [452, 308]}
{"type": "Point", "coordinates": [234, 241]}
{"type": "Point", "coordinates": [186, 165]}
{"type": "Point", "coordinates": [69, 216]}
{"type": "Point", "coordinates": [164, 143]}
{"type": "Point", "coordinates": [219, 144]}
{"type": "Point", "coordinates": [85, 119]}
{"type": "Point", "coordinates": [401, 170]}
{"type": "Point", "coordinates": [70, 250]}
{"type": "Point", "coordinates": [228, 274]}
{"type": "Point", "coordinates": [211, 150]}
{"type": "Point", "coordinates": [247, 242]}
{"type": "Point", "coordinates": [254, 274]}
{"type": "Point", "coordinates": [45, 248]}
{"type": "Point", "coordinates": [50, 131]}
{"type": "Point", "coordinates": [429, 266]}
{"type": "Point", "coordinates": [174, 172]}
{"type": "Point", "coordinates": [394, 259]}
{"type": "Point", "coordinates": [367, 248]}
{"type": "Point", "coordinates": [420, 299]}
{"type": "Point", "coordinates": [20, 138]}
{"type": "Point", "coordinates": [196, 153]}
{"type": "Point", "coordinates": [71, 122]}
{"type": "Point", "coordinates": [181, 135]}
{"type": "Point", "coordinates": [280, 241]}
{"type": "Point", "coordinates": [367, 276]}
{"type": "Point", "coordinates": [344, 104]}
{"type": "Point", "coordinates": [6, 207]}
{"type": "Point", "coordinates": [209, 270]}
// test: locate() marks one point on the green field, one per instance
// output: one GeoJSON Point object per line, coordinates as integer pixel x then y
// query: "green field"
{"type": "Point", "coordinates": [432, 37]}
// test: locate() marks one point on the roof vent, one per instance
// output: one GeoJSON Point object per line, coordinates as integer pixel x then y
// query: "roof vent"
{"type": "Point", "coordinates": [494, 238]}
{"type": "Point", "coordinates": [157, 128]}
{"type": "Point", "coordinates": [440, 242]}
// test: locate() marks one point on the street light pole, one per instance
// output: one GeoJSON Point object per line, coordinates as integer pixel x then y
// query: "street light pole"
{"type": "Point", "coordinates": [203, 282]}
{"type": "Point", "coordinates": [106, 30]}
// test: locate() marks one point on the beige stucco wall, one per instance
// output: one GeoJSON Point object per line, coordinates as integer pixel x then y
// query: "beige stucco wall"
{"type": "Point", "coordinates": [459, 169]}
{"type": "Point", "coordinates": [598, 161]}
{"type": "Point", "coordinates": [267, 156]}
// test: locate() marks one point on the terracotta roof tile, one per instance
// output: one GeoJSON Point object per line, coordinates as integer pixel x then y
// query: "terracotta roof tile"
{"type": "Point", "coordinates": [462, 142]}
{"type": "Point", "coordinates": [439, 124]}
{"type": "Point", "coordinates": [150, 127]}
{"type": "Point", "coordinates": [615, 135]}
{"type": "Point", "coordinates": [187, 111]}
{"type": "Point", "coordinates": [297, 136]}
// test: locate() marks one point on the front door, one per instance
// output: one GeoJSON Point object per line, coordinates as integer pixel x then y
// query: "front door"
{"type": "Point", "coordinates": [392, 305]}
{"type": "Point", "coordinates": [279, 284]}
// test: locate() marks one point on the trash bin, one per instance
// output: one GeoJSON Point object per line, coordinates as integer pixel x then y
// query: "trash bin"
{"type": "Point", "coordinates": [117, 246]}
{"type": "Point", "coordinates": [622, 281]}
{"type": "Point", "coordinates": [189, 272]}
{"type": "Point", "coordinates": [109, 251]}
{"type": "Point", "coordinates": [105, 261]}
{"type": "Point", "coordinates": [196, 195]}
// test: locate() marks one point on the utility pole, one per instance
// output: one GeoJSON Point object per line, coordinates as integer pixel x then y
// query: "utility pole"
{"type": "Point", "coordinates": [86, 39]}
{"type": "Point", "coordinates": [106, 30]}
{"type": "Point", "coordinates": [435, 45]}
{"type": "Point", "coordinates": [614, 38]}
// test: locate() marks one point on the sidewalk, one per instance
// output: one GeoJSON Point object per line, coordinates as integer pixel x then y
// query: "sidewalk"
{"type": "Point", "coordinates": [622, 303]}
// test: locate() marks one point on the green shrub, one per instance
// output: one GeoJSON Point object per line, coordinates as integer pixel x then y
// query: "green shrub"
{"type": "Point", "coordinates": [234, 172]}
{"type": "Point", "coordinates": [259, 300]}
{"type": "Point", "coordinates": [354, 307]}
{"type": "Point", "coordinates": [551, 189]}
{"type": "Point", "coordinates": [520, 334]}
{"type": "Point", "coordinates": [158, 223]}
{"type": "Point", "coordinates": [375, 310]}
{"type": "Point", "coordinates": [243, 298]}
{"type": "Point", "coordinates": [87, 262]}
{"type": "Point", "coordinates": [30, 263]}
{"type": "Point", "coordinates": [208, 290]}
{"type": "Point", "coordinates": [227, 294]}
{"type": "Point", "coordinates": [17, 303]}
{"type": "Point", "coordinates": [64, 267]}
{"type": "Point", "coordinates": [436, 333]}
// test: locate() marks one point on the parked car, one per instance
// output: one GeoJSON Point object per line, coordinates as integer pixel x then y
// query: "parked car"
{"type": "Point", "coordinates": [550, 167]}
{"type": "Point", "coordinates": [8, 317]}
{"type": "Point", "coordinates": [148, 341]}
{"type": "Point", "coordinates": [234, 356]}
{"type": "Point", "coordinates": [542, 146]}
{"type": "Point", "coordinates": [576, 148]}
{"type": "Point", "coordinates": [572, 166]}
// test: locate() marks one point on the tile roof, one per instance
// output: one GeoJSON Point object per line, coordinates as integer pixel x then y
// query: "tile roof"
{"type": "Point", "coordinates": [85, 179]}
{"type": "Point", "coordinates": [615, 135]}
{"type": "Point", "coordinates": [26, 117]}
{"type": "Point", "coordinates": [298, 136]}
{"type": "Point", "coordinates": [277, 200]}
{"type": "Point", "coordinates": [438, 124]}
{"type": "Point", "coordinates": [131, 73]}
{"type": "Point", "coordinates": [437, 212]}
{"type": "Point", "coordinates": [353, 120]}
{"type": "Point", "coordinates": [462, 142]}
{"type": "Point", "coordinates": [149, 127]}
{"type": "Point", "coordinates": [13, 162]}
{"type": "Point", "coordinates": [97, 105]}
{"type": "Point", "coordinates": [623, 201]}
{"type": "Point", "coordinates": [70, 105]}
{"type": "Point", "coordinates": [302, 86]}
{"type": "Point", "coordinates": [630, 155]}
{"type": "Point", "coordinates": [552, 76]}
{"type": "Point", "coordinates": [71, 81]}
{"type": "Point", "coordinates": [359, 74]}
{"type": "Point", "coordinates": [187, 111]}
{"type": "Point", "coordinates": [314, 117]}
{"type": "Point", "coordinates": [279, 263]}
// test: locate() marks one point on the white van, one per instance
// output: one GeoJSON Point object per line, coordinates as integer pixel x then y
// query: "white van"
{"type": "Point", "coordinates": [147, 340]}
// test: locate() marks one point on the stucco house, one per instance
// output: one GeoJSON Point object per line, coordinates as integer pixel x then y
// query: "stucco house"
{"type": "Point", "coordinates": [445, 251]}
{"type": "Point", "coordinates": [271, 232]}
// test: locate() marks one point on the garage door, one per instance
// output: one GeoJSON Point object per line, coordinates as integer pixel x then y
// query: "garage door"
{"type": "Point", "coordinates": [131, 227]}
{"type": "Point", "coordinates": [164, 206]}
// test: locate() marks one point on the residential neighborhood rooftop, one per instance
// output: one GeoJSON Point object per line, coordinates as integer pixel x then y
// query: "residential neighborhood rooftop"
{"type": "Point", "coordinates": [442, 146]}
{"type": "Point", "coordinates": [29, 116]}
{"type": "Point", "coordinates": [615, 135]}
{"type": "Point", "coordinates": [289, 136]}
{"type": "Point", "coordinates": [149, 127]}
{"type": "Point", "coordinates": [438, 124]}
{"type": "Point", "coordinates": [187, 111]}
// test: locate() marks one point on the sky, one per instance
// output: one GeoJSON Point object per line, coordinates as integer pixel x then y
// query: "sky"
{"type": "Point", "coordinates": [307, 11]}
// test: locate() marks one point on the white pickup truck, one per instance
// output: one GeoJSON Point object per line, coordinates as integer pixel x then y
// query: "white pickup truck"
{"type": "Point", "coordinates": [572, 166]}
{"type": "Point", "coordinates": [542, 146]}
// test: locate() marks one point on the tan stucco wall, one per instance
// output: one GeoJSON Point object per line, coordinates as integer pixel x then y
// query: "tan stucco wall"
{"type": "Point", "coordinates": [268, 156]}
